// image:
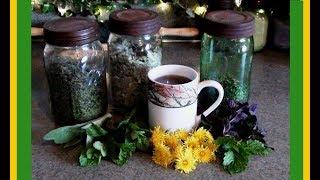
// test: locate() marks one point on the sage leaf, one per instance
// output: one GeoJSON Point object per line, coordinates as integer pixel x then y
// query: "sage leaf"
{"type": "Point", "coordinates": [63, 134]}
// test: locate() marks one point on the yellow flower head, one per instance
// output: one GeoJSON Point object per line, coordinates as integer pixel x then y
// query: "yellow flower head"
{"type": "Point", "coordinates": [162, 155]}
{"type": "Point", "coordinates": [192, 142]}
{"type": "Point", "coordinates": [204, 154]}
{"type": "Point", "coordinates": [171, 141]}
{"type": "Point", "coordinates": [185, 161]}
{"type": "Point", "coordinates": [181, 134]}
{"type": "Point", "coordinates": [203, 135]}
{"type": "Point", "coordinates": [158, 136]}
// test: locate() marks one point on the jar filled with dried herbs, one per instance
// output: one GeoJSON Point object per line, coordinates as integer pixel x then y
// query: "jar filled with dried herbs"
{"type": "Point", "coordinates": [134, 48]}
{"type": "Point", "coordinates": [75, 64]}
{"type": "Point", "coordinates": [226, 53]}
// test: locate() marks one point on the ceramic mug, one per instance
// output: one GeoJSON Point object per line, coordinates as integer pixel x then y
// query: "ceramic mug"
{"type": "Point", "coordinates": [174, 106]}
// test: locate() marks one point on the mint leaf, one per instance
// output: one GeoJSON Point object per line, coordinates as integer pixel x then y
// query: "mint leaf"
{"type": "Point", "coordinates": [228, 158]}
{"type": "Point", "coordinates": [95, 131]}
{"type": "Point", "coordinates": [255, 147]}
{"type": "Point", "coordinates": [90, 157]}
{"type": "Point", "coordinates": [63, 134]}
{"type": "Point", "coordinates": [100, 147]}
{"type": "Point", "coordinates": [126, 150]}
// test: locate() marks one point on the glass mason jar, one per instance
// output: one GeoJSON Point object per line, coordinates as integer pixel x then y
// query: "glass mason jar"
{"type": "Point", "coordinates": [261, 24]}
{"type": "Point", "coordinates": [76, 70]}
{"type": "Point", "coordinates": [226, 53]}
{"type": "Point", "coordinates": [134, 48]}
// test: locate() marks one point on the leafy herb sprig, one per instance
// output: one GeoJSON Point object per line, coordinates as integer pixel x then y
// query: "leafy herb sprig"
{"type": "Point", "coordinates": [235, 154]}
{"type": "Point", "coordinates": [100, 142]}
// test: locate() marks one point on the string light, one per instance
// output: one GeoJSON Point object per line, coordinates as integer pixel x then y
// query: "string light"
{"type": "Point", "coordinates": [200, 10]}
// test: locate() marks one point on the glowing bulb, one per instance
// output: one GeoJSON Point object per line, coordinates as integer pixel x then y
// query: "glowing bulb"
{"type": "Point", "coordinates": [200, 10]}
{"type": "Point", "coordinates": [238, 3]}
{"type": "Point", "coordinates": [162, 6]}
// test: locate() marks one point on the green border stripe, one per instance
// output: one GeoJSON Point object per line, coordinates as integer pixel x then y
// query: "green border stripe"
{"type": "Point", "coordinates": [24, 89]}
{"type": "Point", "coordinates": [296, 90]}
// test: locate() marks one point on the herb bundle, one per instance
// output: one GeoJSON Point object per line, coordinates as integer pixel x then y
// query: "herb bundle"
{"type": "Point", "coordinates": [101, 142]}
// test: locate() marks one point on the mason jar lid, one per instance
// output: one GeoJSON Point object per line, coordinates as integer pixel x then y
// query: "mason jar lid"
{"type": "Point", "coordinates": [228, 24]}
{"type": "Point", "coordinates": [72, 31]}
{"type": "Point", "coordinates": [134, 22]}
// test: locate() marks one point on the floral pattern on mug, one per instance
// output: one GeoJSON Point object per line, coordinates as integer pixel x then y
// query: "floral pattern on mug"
{"type": "Point", "coordinates": [172, 96]}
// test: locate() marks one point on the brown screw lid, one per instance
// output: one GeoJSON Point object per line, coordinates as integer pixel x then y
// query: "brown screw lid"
{"type": "Point", "coordinates": [134, 22]}
{"type": "Point", "coordinates": [228, 24]}
{"type": "Point", "coordinates": [73, 31]}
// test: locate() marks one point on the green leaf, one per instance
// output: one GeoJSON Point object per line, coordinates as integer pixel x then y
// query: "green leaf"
{"type": "Point", "coordinates": [100, 147]}
{"type": "Point", "coordinates": [127, 119]}
{"type": "Point", "coordinates": [126, 150]}
{"type": "Point", "coordinates": [48, 7]}
{"type": "Point", "coordinates": [140, 139]}
{"type": "Point", "coordinates": [239, 164]}
{"type": "Point", "coordinates": [95, 131]}
{"type": "Point", "coordinates": [255, 147]}
{"type": "Point", "coordinates": [63, 134]}
{"type": "Point", "coordinates": [228, 158]}
{"type": "Point", "coordinates": [90, 157]}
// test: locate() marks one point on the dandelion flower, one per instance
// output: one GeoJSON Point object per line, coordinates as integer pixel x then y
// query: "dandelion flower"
{"type": "Point", "coordinates": [162, 155]}
{"type": "Point", "coordinates": [181, 134]}
{"type": "Point", "coordinates": [186, 161]}
{"type": "Point", "coordinates": [158, 136]}
{"type": "Point", "coordinates": [204, 154]}
{"type": "Point", "coordinates": [203, 135]}
{"type": "Point", "coordinates": [192, 142]}
{"type": "Point", "coordinates": [171, 141]}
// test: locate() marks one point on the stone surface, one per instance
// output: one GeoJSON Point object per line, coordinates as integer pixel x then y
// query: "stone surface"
{"type": "Point", "coordinates": [270, 89]}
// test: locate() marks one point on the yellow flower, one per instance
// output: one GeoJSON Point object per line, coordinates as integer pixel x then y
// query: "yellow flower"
{"type": "Point", "coordinates": [185, 161]}
{"type": "Point", "coordinates": [204, 154]}
{"type": "Point", "coordinates": [181, 134]}
{"type": "Point", "coordinates": [203, 135]}
{"type": "Point", "coordinates": [158, 136]}
{"type": "Point", "coordinates": [192, 142]}
{"type": "Point", "coordinates": [171, 141]}
{"type": "Point", "coordinates": [162, 155]}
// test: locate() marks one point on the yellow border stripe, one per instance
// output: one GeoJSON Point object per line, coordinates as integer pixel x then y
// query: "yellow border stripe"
{"type": "Point", "coordinates": [306, 89]}
{"type": "Point", "coordinates": [13, 89]}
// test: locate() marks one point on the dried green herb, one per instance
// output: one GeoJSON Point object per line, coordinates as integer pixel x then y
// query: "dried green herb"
{"type": "Point", "coordinates": [77, 88]}
{"type": "Point", "coordinates": [234, 89]}
{"type": "Point", "coordinates": [130, 60]}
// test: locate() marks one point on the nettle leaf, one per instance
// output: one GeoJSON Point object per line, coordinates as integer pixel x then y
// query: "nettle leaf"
{"type": "Point", "coordinates": [254, 147]}
{"type": "Point", "coordinates": [126, 150]}
{"type": "Point", "coordinates": [228, 158]}
{"type": "Point", "coordinates": [239, 164]}
{"type": "Point", "coordinates": [95, 131]}
{"type": "Point", "coordinates": [63, 134]}
{"type": "Point", "coordinates": [100, 147]}
{"type": "Point", "coordinates": [90, 157]}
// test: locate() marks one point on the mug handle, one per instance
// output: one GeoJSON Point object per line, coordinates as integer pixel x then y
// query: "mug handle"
{"type": "Point", "coordinates": [216, 85]}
